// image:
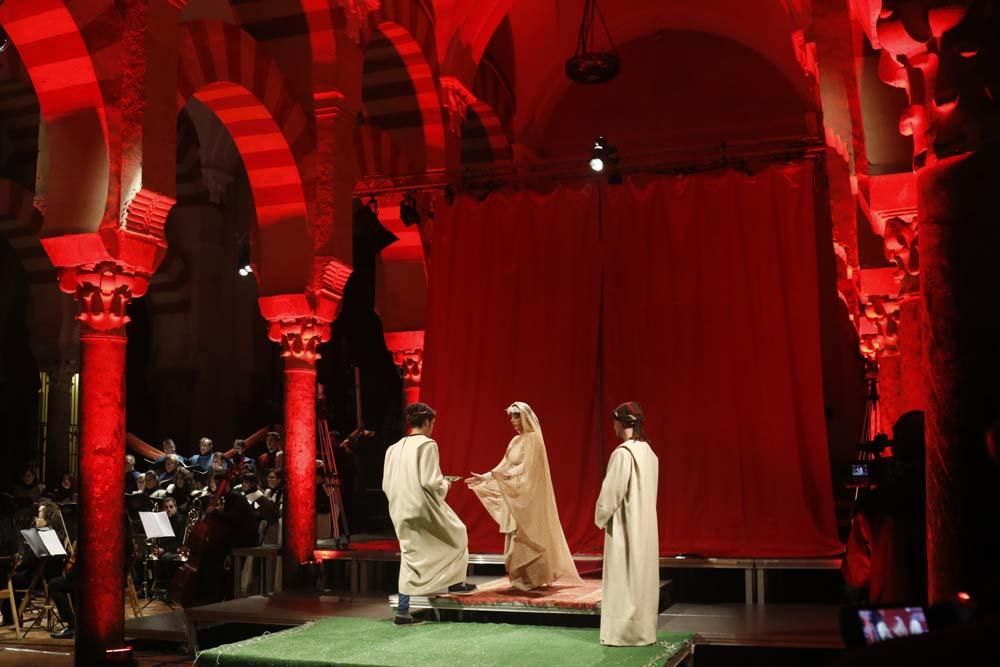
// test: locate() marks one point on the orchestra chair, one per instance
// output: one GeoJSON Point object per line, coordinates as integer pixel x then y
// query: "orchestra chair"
{"type": "Point", "coordinates": [7, 593]}
{"type": "Point", "coordinates": [132, 596]}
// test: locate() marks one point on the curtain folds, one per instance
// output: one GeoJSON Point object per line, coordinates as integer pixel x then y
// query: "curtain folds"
{"type": "Point", "coordinates": [696, 296]}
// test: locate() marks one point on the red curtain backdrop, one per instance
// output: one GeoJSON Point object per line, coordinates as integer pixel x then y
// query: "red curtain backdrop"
{"type": "Point", "coordinates": [711, 323]}
{"type": "Point", "coordinates": [513, 315]}
{"type": "Point", "coordinates": [696, 296]}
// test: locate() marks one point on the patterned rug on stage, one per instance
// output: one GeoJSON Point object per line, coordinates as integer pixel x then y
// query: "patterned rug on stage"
{"type": "Point", "coordinates": [359, 642]}
{"type": "Point", "coordinates": [499, 592]}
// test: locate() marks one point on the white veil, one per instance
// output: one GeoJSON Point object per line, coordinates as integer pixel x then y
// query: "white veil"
{"type": "Point", "coordinates": [529, 420]}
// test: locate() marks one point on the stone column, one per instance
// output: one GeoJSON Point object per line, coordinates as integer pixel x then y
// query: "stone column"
{"type": "Point", "coordinates": [102, 292]}
{"type": "Point", "coordinates": [947, 58]}
{"type": "Point", "coordinates": [300, 323]}
{"type": "Point", "coordinates": [407, 348]}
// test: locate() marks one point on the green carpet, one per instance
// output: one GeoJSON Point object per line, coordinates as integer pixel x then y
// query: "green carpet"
{"type": "Point", "coordinates": [359, 642]}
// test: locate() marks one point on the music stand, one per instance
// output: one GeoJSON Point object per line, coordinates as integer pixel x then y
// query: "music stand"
{"type": "Point", "coordinates": [156, 525]}
{"type": "Point", "coordinates": [44, 544]}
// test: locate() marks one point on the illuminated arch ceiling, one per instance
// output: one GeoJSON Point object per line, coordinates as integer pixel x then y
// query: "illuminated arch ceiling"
{"type": "Point", "coordinates": [545, 35]}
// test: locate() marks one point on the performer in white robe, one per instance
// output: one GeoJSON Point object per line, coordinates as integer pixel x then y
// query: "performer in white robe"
{"type": "Point", "coordinates": [434, 553]}
{"type": "Point", "coordinates": [626, 510]}
{"type": "Point", "coordinates": [518, 495]}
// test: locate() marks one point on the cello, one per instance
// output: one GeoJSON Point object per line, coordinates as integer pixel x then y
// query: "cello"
{"type": "Point", "coordinates": [200, 579]}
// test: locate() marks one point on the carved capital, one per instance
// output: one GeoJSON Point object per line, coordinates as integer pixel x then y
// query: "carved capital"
{"type": "Point", "coordinates": [407, 348]}
{"type": "Point", "coordinates": [457, 99]}
{"type": "Point", "coordinates": [102, 293]}
{"type": "Point", "coordinates": [848, 284]}
{"type": "Point", "coordinates": [300, 339]}
{"type": "Point", "coordinates": [882, 338]}
{"type": "Point", "coordinates": [355, 15]}
{"type": "Point", "coordinates": [946, 55]}
{"type": "Point", "coordinates": [900, 245]}
{"type": "Point", "coordinates": [146, 213]}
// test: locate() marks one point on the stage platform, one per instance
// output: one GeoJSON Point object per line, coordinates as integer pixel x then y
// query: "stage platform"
{"type": "Point", "coordinates": [368, 643]}
{"type": "Point", "coordinates": [366, 561]}
{"type": "Point", "coordinates": [771, 626]}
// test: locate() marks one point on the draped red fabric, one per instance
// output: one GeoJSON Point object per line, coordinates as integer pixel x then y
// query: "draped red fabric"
{"type": "Point", "coordinates": [711, 323]}
{"type": "Point", "coordinates": [696, 296]}
{"type": "Point", "coordinates": [513, 315]}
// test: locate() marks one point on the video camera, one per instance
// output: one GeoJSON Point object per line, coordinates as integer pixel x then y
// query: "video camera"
{"type": "Point", "coordinates": [872, 466]}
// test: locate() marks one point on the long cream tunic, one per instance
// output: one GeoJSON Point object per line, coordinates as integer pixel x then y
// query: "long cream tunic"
{"type": "Point", "coordinates": [626, 510]}
{"type": "Point", "coordinates": [433, 542]}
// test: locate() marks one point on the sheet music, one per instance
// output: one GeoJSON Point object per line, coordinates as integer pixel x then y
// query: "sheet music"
{"type": "Point", "coordinates": [156, 524]}
{"type": "Point", "coordinates": [34, 542]}
{"type": "Point", "coordinates": [52, 542]}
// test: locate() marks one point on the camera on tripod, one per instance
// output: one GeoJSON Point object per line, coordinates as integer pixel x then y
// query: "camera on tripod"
{"type": "Point", "coordinates": [871, 466]}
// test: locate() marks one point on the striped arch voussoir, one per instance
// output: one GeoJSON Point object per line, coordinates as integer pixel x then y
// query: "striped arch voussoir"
{"type": "Point", "coordinates": [400, 95]}
{"type": "Point", "coordinates": [484, 142]}
{"type": "Point", "coordinates": [213, 53]}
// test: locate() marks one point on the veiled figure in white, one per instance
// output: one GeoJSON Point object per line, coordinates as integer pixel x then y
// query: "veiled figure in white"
{"type": "Point", "coordinates": [518, 495]}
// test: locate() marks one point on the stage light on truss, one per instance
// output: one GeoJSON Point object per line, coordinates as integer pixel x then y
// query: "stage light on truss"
{"type": "Point", "coordinates": [244, 267]}
{"type": "Point", "coordinates": [597, 155]}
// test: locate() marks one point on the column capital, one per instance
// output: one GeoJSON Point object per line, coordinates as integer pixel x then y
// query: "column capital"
{"type": "Point", "coordinates": [300, 339]}
{"type": "Point", "coordinates": [457, 99]}
{"type": "Point", "coordinates": [299, 323]}
{"type": "Point", "coordinates": [407, 349]}
{"type": "Point", "coordinates": [103, 292]}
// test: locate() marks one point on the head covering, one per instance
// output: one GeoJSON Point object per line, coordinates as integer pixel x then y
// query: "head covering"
{"type": "Point", "coordinates": [529, 421]}
{"type": "Point", "coordinates": [629, 414]}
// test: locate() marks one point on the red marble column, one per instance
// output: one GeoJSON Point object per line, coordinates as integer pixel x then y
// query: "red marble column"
{"type": "Point", "coordinates": [299, 338]}
{"type": "Point", "coordinates": [300, 461]}
{"type": "Point", "coordinates": [102, 293]}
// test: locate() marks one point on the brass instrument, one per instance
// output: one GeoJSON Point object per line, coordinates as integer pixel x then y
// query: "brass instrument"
{"type": "Point", "coordinates": [193, 517]}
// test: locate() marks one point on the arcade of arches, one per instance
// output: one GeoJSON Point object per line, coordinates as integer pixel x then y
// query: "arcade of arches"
{"type": "Point", "coordinates": [150, 148]}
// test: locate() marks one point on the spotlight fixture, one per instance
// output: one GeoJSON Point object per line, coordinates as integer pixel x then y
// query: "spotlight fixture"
{"type": "Point", "coordinates": [408, 212]}
{"type": "Point", "coordinates": [604, 159]}
{"type": "Point", "coordinates": [589, 64]}
{"type": "Point", "coordinates": [244, 267]}
{"type": "Point", "coordinates": [597, 155]}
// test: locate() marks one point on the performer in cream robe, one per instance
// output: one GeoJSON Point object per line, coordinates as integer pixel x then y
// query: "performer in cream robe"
{"type": "Point", "coordinates": [626, 510]}
{"type": "Point", "coordinates": [518, 495]}
{"type": "Point", "coordinates": [432, 539]}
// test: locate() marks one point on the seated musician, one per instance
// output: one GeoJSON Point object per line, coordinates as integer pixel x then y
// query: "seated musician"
{"type": "Point", "coordinates": [150, 484]}
{"type": "Point", "coordinates": [133, 478]}
{"type": "Point", "coordinates": [168, 549]}
{"type": "Point", "coordinates": [65, 492]}
{"type": "Point", "coordinates": [169, 449]}
{"type": "Point", "coordinates": [239, 455]}
{"type": "Point", "coordinates": [64, 585]}
{"type": "Point", "coordinates": [205, 456]}
{"type": "Point", "coordinates": [171, 464]}
{"type": "Point", "coordinates": [28, 487]}
{"type": "Point", "coordinates": [181, 489]}
{"type": "Point", "coordinates": [27, 565]}
{"type": "Point", "coordinates": [214, 480]}
{"type": "Point", "coordinates": [250, 488]}
{"type": "Point", "coordinates": [268, 459]}
{"type": "Point", "coordinates": [219, 461]}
